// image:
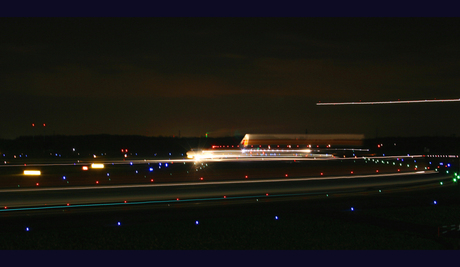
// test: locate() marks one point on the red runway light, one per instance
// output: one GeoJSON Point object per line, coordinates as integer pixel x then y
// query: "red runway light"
{"type": "Point", "coordinates": [37, 184]}
{"type": "Point", "coordinates": [286, 175]}
{"type": "Point", "coordinates": [201, 178]}
{"type": "Point", "coordinates": [5, 207]}
{"type": "Point", "coordinates": [351, 172]}
{"type": "Point", "coordinates": [97, 182]}
{"type": "Point", "coordinates": [246, 177]}
{"type": "Point", "coordinates": [151, 180]}
{"type": "Point", "coordinates": [68, 204]}
{"type": "Point", "coordinates": [321, 173]}
{"type": "Point", "coordinates": [376, 170]}
{"type": "Point", "coordinates": [125, 201]}
{"type": "Point", "coordinates": [177, 198]}
{"type": "Point", "coordinates": [399, 170]}
{"type": "Point", "coordinates": [266, 194]}
{"type": "Point", "coordinates": [225, 196]}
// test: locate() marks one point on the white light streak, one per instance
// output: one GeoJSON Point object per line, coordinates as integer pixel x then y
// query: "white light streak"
{"type": "Point", "coordinates": [32, 173]}
{"type": "Point", "coordinates": [388, 102]}
{"type": "Point", "coordinates": [222, 182]}
{"type": "Point", "coordinates": [97, 166]}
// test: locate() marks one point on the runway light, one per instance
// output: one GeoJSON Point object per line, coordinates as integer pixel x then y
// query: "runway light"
{"type": "Point", "coordinates": [276, 217]}
{"type": "Point", "coordinates": [119, 223]}
{"type": "Point", "coordinates": [321, 174]}
{"type": "Point", "coordinates": [137, 171]}
{"type": "Point", "coordinates": [352, 209]}
{"type": "Point", "coordinates": [151, 180]}
{"type": "Point", "coordinates": [434, 202]}
{"type": "Point", "coordinates": [286, 175]}
{"type": "Point", "coordinates": [68, 204]}
{"type": "Point", "coordinates": [351, 172]}
{"type": "Point", "coordinates": [151, 169]}
{"type": "Point", "coordinates": [225, 196]}
{"type": "Point", "coordinates": [108, 174]}
{"type": "Point", "coordinates": [376, 170]}
{"type": "Point", "coordinates": [177, 199]}
{"type": "Point", "coordinates": [97, 182]}
{"type": "Point", "coordinates": [63, 177]}
{"type": "Point", "coordinates": [266, 194]}
{"type": "Point", "coordinates": [201, 178]}
{"type": "Point", "coordinates": [130, 163]}
{"type": "Point", "coordinates": [97, 166]}
{"type": "Point", "coordinates": [125, 201]}
{"type": "Point", "coordinates": [440, 183]}
{"type": "Point", "coordinates": [32, 173]}
{"type": "Point", "coordinates": [5, 207]}
{"type": "Point", "coordinates": [246, 177]}
{"type": "Point", "coordinates": [36, 184]}
{"type": "Point", "coordinates": [27, 229]}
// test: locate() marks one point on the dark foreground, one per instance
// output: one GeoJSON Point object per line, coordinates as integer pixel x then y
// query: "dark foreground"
{"type": "Point", "coordinates": [403, 218]}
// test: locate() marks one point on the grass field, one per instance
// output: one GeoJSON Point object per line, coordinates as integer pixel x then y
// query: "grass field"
{"type": "Point", "coordinates": [400, 219]}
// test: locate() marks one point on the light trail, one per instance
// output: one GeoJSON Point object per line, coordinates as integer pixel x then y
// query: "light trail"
{"type": "Point", "coordinates": [222, 159]}
{"type": "Point", "coordinates": [388, 102]}
{"type": "Point", "coordinates": [219, 183]}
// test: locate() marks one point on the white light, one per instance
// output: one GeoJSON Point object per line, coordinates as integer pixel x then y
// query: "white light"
{"type": "Point", "coordinates": [97, 166]}
{"type": "Point", "coordinates": [32, 173]}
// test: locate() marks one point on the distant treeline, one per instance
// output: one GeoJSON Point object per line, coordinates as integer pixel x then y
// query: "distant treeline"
{"type": "Point", "coordinates": [109, 145]}
{"type": "Point", "coordinates": [143, 146]}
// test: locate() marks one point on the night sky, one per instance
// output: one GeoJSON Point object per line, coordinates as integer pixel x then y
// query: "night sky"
{"type": "Point", "coordinates": [227, 76]}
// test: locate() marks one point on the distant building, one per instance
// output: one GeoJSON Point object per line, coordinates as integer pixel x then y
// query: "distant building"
{"type": "Point", "coordinates": [301, 140]}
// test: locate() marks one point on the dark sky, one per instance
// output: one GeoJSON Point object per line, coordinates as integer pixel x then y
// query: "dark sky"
{"type": "Point", "coordinates": [226, 76]}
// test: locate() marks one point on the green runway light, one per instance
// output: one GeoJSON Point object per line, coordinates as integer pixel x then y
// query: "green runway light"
{"type": "Point", "coordinates": [440, 183]}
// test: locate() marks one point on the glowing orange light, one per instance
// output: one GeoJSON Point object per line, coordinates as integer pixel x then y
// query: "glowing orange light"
{"type": "Point", "coordinates": [5, 207]}
{"type": "Point", "coordinates": [85, 168]}
{"type": "Point", "coordinates": [33, 124]}
{"type": "Point", "coordinates": [44, 125]}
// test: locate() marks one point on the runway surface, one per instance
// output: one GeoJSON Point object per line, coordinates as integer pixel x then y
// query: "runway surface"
{"type": "Point", "coordinates": [81, 196]}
